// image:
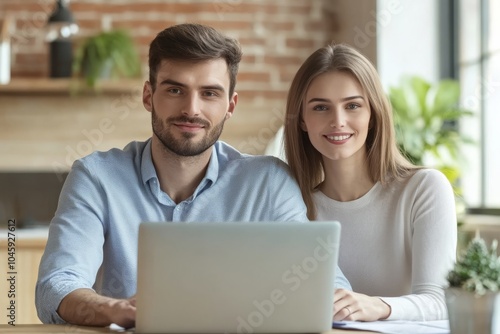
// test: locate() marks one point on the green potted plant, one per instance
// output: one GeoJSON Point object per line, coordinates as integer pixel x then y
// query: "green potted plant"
{"type": "Point", "coordinates": [426, 119]}
{"type": "Point", "coordinates": [473, 296]}
{"type": "Point", "coordinates": [105, 55]}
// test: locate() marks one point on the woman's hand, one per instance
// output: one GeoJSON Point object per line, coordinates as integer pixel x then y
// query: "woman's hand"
{"type": "Point", "coordinates": [354, 306]}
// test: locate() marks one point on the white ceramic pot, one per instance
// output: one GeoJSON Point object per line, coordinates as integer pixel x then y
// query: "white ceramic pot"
{"type": "Point", "coordinates": [471, 314]}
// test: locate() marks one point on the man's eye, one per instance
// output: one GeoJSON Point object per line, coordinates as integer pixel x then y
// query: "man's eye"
{"type": "Point", "coordinates": [210, 93]}
{"type": "Point", "coordinates": [174, 90]}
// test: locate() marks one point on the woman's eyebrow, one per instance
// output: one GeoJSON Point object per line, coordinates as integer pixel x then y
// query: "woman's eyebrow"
{"type": "Point", "coordinates": [318, 99]}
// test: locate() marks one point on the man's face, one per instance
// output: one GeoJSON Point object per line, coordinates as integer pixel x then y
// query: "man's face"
{"type": "Point", "coordinates": [190, 104]}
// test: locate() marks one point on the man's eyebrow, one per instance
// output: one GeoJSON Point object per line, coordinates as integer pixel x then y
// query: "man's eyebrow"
{"type": "Point", "coordinates": [213, 87]}
{"type": "Point", "coordinates": [172, 82]}
{"type": "Point", "coordinates": [348, 98]}
{"type": "Point", "coordinates": [180, 84]}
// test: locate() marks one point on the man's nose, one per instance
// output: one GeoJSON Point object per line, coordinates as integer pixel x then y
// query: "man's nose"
{"type": "Point", "coordinates": [192, 105]}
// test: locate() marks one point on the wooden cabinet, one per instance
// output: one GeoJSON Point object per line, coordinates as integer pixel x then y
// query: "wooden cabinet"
{"type": "Point", "coordinates": [29, 247]}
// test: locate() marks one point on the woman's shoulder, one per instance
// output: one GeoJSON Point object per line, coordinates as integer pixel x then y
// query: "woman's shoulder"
{"type": "Point", "coordinates": [428, 175]}
{"type": "Point", "coordinates": [428, 181]}
{"type": "Point", "coordinates": [420, 181]}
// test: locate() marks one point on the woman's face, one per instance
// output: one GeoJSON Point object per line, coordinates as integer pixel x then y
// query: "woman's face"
{"type": "Point", "coordinates": [336, 115]}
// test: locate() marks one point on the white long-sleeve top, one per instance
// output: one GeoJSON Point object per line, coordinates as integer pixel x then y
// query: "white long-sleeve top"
{"type": "Point", "coordinates": [398, 242]}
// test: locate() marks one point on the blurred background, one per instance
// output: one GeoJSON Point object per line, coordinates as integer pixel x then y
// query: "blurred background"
{"type": "Point", "coordinates": [48, 118]}
{"type": "Point", "coordinates": [59, 101]}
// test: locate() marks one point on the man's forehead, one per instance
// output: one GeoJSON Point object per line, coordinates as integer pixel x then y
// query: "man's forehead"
{"type": "Point", "coordinates": [173, 64]}
{"type": "Point", "coordinates": [205, 70]}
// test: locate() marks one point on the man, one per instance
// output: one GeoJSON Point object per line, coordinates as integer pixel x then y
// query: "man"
{"type": "Point", "coordinates": [182, 173]}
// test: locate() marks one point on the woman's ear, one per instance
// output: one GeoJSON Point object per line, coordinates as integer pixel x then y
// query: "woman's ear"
{"type": "Point", "coordinates": [302, 123]}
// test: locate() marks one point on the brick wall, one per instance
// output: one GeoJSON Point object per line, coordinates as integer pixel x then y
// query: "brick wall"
{"type": "Point", "coordinates": [276, 37]}
{"type": "Point", "coordinates": [45, 133]}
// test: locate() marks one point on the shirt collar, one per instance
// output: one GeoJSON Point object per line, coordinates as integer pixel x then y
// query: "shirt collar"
{"type": "Point", "coordinates": [213, 166]}
{"type": "Point", "coordinates": [148, 170]}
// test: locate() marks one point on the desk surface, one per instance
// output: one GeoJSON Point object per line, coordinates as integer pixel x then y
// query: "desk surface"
{"type": "Point", "coordinates": [65, 329]}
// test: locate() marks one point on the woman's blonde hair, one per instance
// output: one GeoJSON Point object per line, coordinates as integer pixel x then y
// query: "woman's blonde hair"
{"type": "Point", "coordinates": [385, 162]}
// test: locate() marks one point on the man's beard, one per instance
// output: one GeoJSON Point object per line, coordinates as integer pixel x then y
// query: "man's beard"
{"type": "Point", "coordinates": [184, 146]}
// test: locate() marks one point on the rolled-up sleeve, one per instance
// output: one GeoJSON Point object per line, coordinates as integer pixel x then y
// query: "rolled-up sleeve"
{"type": "Point", "coordinates": [74, 249]}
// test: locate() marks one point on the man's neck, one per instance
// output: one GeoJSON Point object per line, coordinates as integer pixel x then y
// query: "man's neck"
{"type": "Point", "coordinates": [178, 176]}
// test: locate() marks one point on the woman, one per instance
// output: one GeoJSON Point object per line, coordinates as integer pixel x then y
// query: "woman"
{"type": "Point", "coordinates": [398, 220]}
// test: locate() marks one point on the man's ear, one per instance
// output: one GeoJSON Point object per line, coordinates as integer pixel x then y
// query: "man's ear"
{"type": "Point", "coordinates": [147, 96]}
{"type": "Point", "coordinates": [232, 105]}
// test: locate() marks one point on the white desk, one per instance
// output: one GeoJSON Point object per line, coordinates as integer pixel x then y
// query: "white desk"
{"type": "Point", "coordinates": [65, 329]}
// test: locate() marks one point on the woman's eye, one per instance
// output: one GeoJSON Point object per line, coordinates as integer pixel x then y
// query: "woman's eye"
{"type": "Point", "coordinates": [352, 106]}
{"type": "Point", "coordinates": [320, 107]}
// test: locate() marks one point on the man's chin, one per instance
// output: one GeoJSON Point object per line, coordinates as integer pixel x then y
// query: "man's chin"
{"type": "Point", "coordinates": [193, 148]}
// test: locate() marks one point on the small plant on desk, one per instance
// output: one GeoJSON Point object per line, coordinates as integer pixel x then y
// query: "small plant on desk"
{"type": "Point", "coordinates": [478, 270]}
{"type": "Point", "coordinates": [473, 298]}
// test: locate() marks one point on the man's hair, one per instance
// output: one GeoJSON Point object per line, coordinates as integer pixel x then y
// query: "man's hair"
{"type": "Point", "coordinates": [194, 42]}
{"type": "Point", "coordinates": [385, 162]}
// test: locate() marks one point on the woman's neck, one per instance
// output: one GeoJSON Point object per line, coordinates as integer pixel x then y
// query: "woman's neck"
{"type": "Point", "coordinates": [346, 180]}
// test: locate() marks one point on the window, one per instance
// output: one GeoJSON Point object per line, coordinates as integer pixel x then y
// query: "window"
{"type": "Point", "coordinates": [479, 74]}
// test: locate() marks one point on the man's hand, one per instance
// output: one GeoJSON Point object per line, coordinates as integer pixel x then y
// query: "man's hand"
{"type": "Point", "coordinates": [354, 306]}
{"type": "Point", "coordinates": [122, 312]}
{"type": "Point", "coordinates": [85, 307]}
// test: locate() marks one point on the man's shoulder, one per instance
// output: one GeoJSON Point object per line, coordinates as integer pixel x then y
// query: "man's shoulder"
{"type": "Point", "coordinates": [230, 156]}
{"type": "Point", "coordinates": [130, 154]}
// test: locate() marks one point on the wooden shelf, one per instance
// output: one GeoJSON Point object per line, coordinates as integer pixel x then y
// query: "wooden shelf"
{"type": "Point", "coordinates": [28, 86]}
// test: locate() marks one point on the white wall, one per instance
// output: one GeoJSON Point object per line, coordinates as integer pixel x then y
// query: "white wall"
{"type": "Point", "coordinates": [407, 39]}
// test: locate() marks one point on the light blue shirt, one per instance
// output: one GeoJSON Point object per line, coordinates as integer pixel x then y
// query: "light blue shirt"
{"type": "Point", "coordinates": [93, 237]}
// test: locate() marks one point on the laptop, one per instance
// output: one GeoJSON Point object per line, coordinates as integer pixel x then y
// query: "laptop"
{"type": "Point", "coordinates": [258, 277]}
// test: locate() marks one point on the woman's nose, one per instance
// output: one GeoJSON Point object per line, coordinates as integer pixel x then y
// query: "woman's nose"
{"type": "Point", "coordinates": [338, 119]}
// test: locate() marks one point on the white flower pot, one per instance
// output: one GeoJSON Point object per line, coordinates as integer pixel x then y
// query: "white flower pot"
{"type": "Point", "coordinates": [471, 314]}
